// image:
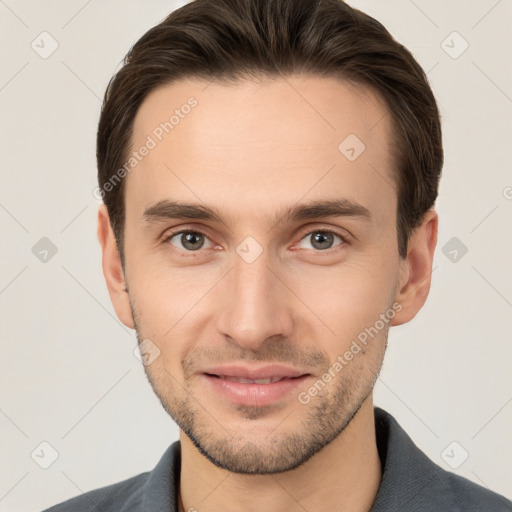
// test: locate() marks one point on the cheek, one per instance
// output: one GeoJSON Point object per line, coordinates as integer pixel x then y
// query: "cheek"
{"type": "Point", "coordinates": [167, 306]}
{"type": "Point", "coordinates": [346, 298]}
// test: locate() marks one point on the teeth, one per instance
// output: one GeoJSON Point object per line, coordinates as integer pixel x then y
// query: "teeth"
{"type": "Point", "coordinates": [269, 380]}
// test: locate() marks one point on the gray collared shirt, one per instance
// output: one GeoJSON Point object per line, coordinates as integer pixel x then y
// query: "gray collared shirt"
{"type": "Point", "coordinates": [411, 482]}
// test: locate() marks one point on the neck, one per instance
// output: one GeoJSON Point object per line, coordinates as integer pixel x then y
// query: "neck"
{"type": "Point", "coordinates": [344, 475]}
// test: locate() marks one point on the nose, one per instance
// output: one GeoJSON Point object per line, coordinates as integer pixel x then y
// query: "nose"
{"type": "Point", "coordinates": [254, 305]}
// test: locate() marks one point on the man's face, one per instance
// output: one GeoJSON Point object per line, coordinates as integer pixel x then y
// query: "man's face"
{"type": "Point", "coordinates": [254, 291]}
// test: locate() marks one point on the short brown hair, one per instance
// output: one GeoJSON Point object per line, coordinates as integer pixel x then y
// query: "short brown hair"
{"type": "Point", "coordinates": [230, 40]}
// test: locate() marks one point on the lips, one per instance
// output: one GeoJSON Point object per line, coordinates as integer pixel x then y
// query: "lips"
{"type": "Point", "coordinates": [273, 372]}
{"type": "Point", "coordinates": [253, 386]}
{"type": "Point", "coordinates": [250, 381]}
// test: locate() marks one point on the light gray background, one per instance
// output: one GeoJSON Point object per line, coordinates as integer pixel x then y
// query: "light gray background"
{"type": "Point", "coordinates": [68, 375]}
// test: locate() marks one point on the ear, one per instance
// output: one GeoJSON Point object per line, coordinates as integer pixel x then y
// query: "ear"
{"type": "Point", "coordinates": [112, 268]}
{"type": "Point", "coordinates": [416, 269]}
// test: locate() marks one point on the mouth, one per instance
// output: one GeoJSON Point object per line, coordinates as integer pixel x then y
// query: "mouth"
{"type": "Point", "coordinates": [254, 386]}
{"type": "Point", "coordinates": [242, 380]}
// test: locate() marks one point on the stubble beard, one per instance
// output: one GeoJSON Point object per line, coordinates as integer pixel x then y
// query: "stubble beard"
{"type": "Point", "coordinates": [327, 416]}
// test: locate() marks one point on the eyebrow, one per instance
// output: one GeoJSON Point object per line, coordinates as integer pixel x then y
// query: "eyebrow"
{"type": "Point", "coordinates": [167, 209]}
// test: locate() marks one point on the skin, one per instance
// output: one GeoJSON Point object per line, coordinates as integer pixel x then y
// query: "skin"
{"type": "Point", "coordinates": [250, 150]}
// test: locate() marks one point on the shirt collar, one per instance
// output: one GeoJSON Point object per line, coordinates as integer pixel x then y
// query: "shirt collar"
{"type": "Point", "coordinates": [408, 475]}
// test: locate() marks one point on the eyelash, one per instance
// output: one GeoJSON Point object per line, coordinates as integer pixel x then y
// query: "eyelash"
{"type": "Point", "coordinates": [343, 238]}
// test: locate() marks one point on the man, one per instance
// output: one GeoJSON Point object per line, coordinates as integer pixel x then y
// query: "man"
{"type": "Point", "coordinates": [269, 170]}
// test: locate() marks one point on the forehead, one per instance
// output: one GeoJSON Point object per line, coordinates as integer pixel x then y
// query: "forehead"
{"type": "Point", "coordinates": [274, 140]}
{"type": "Point", "coordinates": [323, 109]}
